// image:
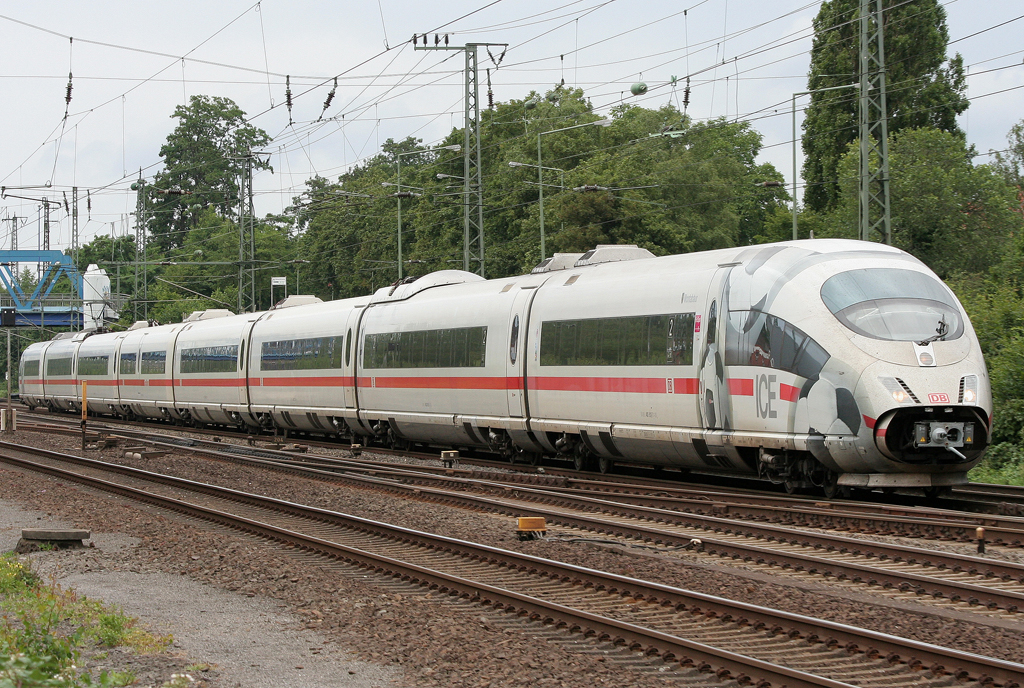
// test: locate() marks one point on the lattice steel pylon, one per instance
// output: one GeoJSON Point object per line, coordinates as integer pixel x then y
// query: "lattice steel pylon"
{"type": "Point", "coordinates": [472, 178]}
{"type": "Point", "coordinates": [141, 267]}
{"type": "Point", "coordinates": [74, 225]}
{"type": "Point", "coordinates": [246, 239]}
{"type": "Point", "coordinates": [875, 216]}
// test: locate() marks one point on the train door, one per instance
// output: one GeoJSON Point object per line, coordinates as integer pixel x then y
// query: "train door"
{"type": "Point", "coordinates": [713, 397]}
{"type": "Point", "coordinates": [351, 325]}
{"type": "Point", "coordinates": [515, 360]}
{"type": "Point", "coordinates": [244, 354]}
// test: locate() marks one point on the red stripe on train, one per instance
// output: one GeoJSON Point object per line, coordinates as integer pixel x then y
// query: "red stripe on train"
{"type": "Point", "coordinates": [741, 387]}
{"type": "Point", "coordinates": [788, 392]}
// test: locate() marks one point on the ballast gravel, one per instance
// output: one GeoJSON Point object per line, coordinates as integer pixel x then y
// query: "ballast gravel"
{"type": "Point", "coordinates": [414, 639]}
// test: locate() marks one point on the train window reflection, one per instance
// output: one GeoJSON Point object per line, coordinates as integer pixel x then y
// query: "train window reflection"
{"type": "Point", "coordinates": [456, 347]}
{"type": "Point", "coordinates": [93, 365]}
{"type": "Point", "coordinates": [754, 338]}
{"type": "Point", "coordinates": [209, 359]}
{"type": "Point", "coordinates": [315, 353]}
{"type": "Point", "coordinates": [58, 366]}
{"type": "Point", "coordinates": [128, 364]}
{"type": "Point", "coordinates": [627, 341]}
{"type": "Point", "coordinates": [893, 304]}
{"type": "Point", "coordinates": [153, 362]}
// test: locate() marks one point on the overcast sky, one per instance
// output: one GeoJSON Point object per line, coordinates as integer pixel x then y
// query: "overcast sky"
{"type": "Point", "coordinates": [134, 62]}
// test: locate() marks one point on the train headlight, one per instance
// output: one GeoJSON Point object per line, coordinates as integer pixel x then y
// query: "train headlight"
{"type": "Point", "coordinates": [900, 392]}
{"type": "Point", "coordinates": [968, 389]}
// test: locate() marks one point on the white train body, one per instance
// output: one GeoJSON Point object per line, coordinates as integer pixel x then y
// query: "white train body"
{"type": "Point", "coordinates": [825, 363]}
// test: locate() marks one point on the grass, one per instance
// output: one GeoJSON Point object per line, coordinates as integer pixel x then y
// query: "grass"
{"type": "Point", "coordinates": [44, 630]}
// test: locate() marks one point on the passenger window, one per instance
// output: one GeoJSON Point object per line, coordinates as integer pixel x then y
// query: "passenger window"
{"type": "Point", "coordinates": [513, 347]}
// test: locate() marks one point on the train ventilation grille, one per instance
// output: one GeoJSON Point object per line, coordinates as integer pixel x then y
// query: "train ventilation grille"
{"type": "Point", "coordinates": [960, 396]}
{"type": "Point", "coordinates": [908, 391]}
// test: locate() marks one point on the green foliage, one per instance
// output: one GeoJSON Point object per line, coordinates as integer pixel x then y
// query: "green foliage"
{"type": "Point", "coordinates": [203, 156]}
{"type": "Point", "coordinates": [698, 193]}
{"type": "Point", "coordinates": [44, 630]}
{"type": "Point", "coordinates": [922, 88]}
{"type": "Point", "coordinates": [950, 213]}
{"type": "Point", "coordinates": [1010, 163]}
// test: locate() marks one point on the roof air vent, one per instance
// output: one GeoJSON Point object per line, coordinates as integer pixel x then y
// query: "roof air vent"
{"type": "Point", "coordinates": [559, 261]}
{"type": "Point", "coordinates": [612, 253]}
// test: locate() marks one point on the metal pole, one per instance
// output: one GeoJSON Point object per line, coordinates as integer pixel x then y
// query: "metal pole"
{"type": "Point", "coordinates": [540, 187]}
{"type": "Point", "coordinates": [804, 93]}
{"type": "Point", "coordinates": [794, 167]}
{"type": "Point", "coordinates": [399, 159]}
{"type": "Point", "coordinates": [9, 426]}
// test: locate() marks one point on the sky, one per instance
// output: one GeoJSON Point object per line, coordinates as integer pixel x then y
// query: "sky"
{"type": "Point", "coordinates": [133, 63]}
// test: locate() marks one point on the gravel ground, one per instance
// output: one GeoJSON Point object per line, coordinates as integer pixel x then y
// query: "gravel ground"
{"type": "Point", "coordinates": [420, 641]}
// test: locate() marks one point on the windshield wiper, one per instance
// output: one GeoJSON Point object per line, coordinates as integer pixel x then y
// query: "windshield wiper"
{"type": "Point", "coordinates": [940, 333]}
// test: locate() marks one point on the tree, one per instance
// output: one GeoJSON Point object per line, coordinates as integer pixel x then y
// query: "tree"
{"type": "Point", "coordinates": [1010, 163]}
{"type": "Point", "coordinates": [953, 215]}
{"type": "Point", "coordinates": [202, 156]}
{"type": "Point", "coordinates": [922, 88]}
{"type": "Point", "coordinates": [692, 190]}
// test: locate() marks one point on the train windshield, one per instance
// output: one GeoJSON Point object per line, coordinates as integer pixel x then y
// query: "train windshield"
{"type": "Point", "coordinates": [893, 304]}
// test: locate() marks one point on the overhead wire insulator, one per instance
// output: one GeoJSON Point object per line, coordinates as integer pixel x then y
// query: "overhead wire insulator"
{"type": "Point", "coordinates": [330, 97]}
{"type": "Point", "coordinates": [490, 93]}
{"type": "Point", "coordinates": [67, 96]}
{"type": "Point", "coordinates": [288, 96]}
{"type": "Point", "coordinates": [686, 95]}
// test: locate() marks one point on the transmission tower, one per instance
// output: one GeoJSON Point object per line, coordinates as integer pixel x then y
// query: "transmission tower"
{"type": "Point", "coordinates": [472, 176]}
{"type": "Point", "coordinates": [875, 217]}
{"type": "Point", "coordinates": [141, 269]}
{"type": "Point", "coordinates": [74, 225]}
{"type": "Point", "coordinates": [14, 241]}
{"type": "Point", "coordinates": [246, 238]}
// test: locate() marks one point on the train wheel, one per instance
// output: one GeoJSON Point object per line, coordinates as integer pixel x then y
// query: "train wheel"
{"type": "Point", "coordinates": [832, 488]}
{"type": "Point", "coordinates": [604, 465]}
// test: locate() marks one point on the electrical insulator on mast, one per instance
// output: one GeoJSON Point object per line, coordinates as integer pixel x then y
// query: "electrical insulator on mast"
{"type": "Point", "coordinates": [686, 95]}
{"type": "Point", "coordinates": [330, 97]}
{"type": "Point", "coordinates": [67, 97]}
{"type": "Point", "coordinates": [288, 96]}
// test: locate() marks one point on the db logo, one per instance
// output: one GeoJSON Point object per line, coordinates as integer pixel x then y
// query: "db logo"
{"type": "Point", "coordinates": [938, 398]}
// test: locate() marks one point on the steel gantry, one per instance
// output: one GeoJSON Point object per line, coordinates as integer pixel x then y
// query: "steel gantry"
{"type": "Point", "coordinates": [473, 181]}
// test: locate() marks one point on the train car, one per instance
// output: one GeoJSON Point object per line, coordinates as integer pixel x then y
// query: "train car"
{"type": "Point", "coordinates": [145, 374]}
{"type": "Point", "coordinates": [827, 364]}
{"type": "Point", "coordinates": [96, 364]}
{"type": "Point", "coordinates": [60, 384]}
{"type": "Point", "coordinates": [30, 375]}
{"type": "Point", "coordinates": [209, 370]}
{"type": "Point", "coordinates": [434, 364]}
{"type": "Point", "coordinates": [301, 367]}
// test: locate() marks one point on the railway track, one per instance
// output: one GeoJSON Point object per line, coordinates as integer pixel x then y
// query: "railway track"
{"type": "Point", "coordinates": [979, 585]}
{"type": "Point", "coordinates": [994, 500]}
{"type": "Point", "coordinates": [698, 633]}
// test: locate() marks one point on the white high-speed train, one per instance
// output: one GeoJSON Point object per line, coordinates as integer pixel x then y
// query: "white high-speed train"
{"type": "Point", "coordinates": [827, 363]}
